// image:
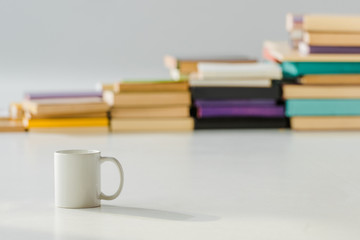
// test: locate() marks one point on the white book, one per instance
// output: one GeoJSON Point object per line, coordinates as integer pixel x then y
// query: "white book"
{"type": "Point", "coordinates": [304, 48]}
{"type": "Point", "coordinates": [265, 70]}
{"type": "Point", "coordinates": [230, 83]}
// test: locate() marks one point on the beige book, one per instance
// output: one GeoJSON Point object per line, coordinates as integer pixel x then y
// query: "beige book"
{"type": "Point", "coordinates": [57, 109]}
{"type": "Point", "coordinates": [9, 125]}
{"type": "Point", "coordinates": [28, 115]}
{"type": "Point", "coordinates": [332, 39]}
{"type": "Point", "coordinates": [16, 111]}
{"type": "Point", "coordinates": [293, 91]}
{"type": "Point", "coordinates": [331, 23]}
{"type": "Point", "coordinates": [151, 86]}
{"type": "Point", "coordinates": [71, 130]}
{"type": "Point", "coordinates": [151, 112]}
{"type": "Point", "coordinates": [152, 125]}
{"type": "Point", "coordinates": [331, 79]}
{"type": "Point", "coordinates": [325, 123]}
{"type": "Point", "coordinates": [282, 52]}
{"type": "Point", "coordinates": [147, 98]}
{"type": "Point", "coordinates": [195, 81]}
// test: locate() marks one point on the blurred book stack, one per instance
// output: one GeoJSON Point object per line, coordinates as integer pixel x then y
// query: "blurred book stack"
{"type": "Point", "coordinates": [12, 122]}
{"type": "Point", "coordinates": [64, 112]}
{"type": "Point", "coordinates": [150, 106]}
{"type": "Point", "coordinates": [326, 72]}
{"type": "Point", "coordinates": [294, 26]}
{"type": "Point", "coordinates": [237, 95]}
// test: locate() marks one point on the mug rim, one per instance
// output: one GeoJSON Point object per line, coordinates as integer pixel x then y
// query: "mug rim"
{"type": "Point", "coordinates": [77, 152]}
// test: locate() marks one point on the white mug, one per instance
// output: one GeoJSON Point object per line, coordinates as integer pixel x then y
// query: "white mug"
{"type": "Point", "coordinates": [77, 178]}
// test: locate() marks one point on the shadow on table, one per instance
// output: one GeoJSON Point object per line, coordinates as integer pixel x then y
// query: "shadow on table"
{"type": "Point", "coordinates": [152, 213]}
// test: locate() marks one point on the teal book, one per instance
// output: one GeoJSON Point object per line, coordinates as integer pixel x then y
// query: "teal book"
{"type": "Point", "coordinates": [297, 69]}
{"type": "Point", "coordinates": [322, 107]}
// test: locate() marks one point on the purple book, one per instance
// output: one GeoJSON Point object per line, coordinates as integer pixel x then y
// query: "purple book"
{"type": "Point", "coordinates": [235, 103]}
{"type": "Point", "coordinates": [245, 111]}
{"type": "Point", "coordinates": [309, 49]}
{"type": "Point", "coordinates": [52, 95]}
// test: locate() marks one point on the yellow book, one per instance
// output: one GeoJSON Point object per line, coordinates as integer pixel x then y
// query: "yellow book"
{"type": "Point", "coordinates": [66, 122]}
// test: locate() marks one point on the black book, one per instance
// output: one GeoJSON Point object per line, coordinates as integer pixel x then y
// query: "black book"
{"type": "Point", "coordinates": [226, 93]}
{"type": "Point", "coordinates": [239, 123]}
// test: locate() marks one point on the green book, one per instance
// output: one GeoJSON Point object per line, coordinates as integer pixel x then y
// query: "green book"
{"type": "Point", "coordinates": [322, 107]}
{"type": "Point", "coordinates": [296, 69]}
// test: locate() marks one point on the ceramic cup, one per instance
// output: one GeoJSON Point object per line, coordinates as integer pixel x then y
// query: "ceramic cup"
{"type": "Point", "coordinates": [77, 178]}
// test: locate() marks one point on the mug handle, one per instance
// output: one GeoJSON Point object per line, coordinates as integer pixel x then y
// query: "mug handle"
{"type": "Point", "coordinates": [116, 162]}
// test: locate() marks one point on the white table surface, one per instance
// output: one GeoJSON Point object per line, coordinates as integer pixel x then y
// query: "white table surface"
{"type": "Point", "coordinates": [258, 184]}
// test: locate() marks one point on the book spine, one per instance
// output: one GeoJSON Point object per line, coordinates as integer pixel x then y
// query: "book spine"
{"type": "Point", "coordinates": [274, 111]}
{"type": "Point", "coordinates": [323, 23]}
{"type": "Point", "coordinates": [332, 39]}
{"type": "Point", "coordinates": [312, 107]}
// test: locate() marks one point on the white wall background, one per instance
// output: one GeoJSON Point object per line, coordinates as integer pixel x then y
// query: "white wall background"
{"type": "Point", "coordinates": [73, 44]}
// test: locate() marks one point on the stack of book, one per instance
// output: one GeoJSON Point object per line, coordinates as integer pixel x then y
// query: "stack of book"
{"type": "Point", "coordinates": [326, 68]}
{"type": "Point", "coordinates": [294, 26]}
{"type": "Point", "coordinates": [330, 34]}
{"type": "Point", "coordinates": [65, 112]}
{"type": "Point", "coordinates": [12, 121]}
{"type": "Point", "coordinates": [234, 95]}
{"type": "Point", "coordinates": [182, 67]}
{"type": "Point", "coordinates": [150, 105]}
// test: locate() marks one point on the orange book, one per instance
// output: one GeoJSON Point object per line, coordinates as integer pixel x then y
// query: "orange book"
{"type": "Point", "coordinates": [66, 122]}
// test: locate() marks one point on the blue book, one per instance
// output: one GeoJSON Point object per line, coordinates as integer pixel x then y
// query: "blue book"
{"type": "Point", "coordinates": [322, 107]}
{"type": "Point", "coordinates": [297, 69]}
